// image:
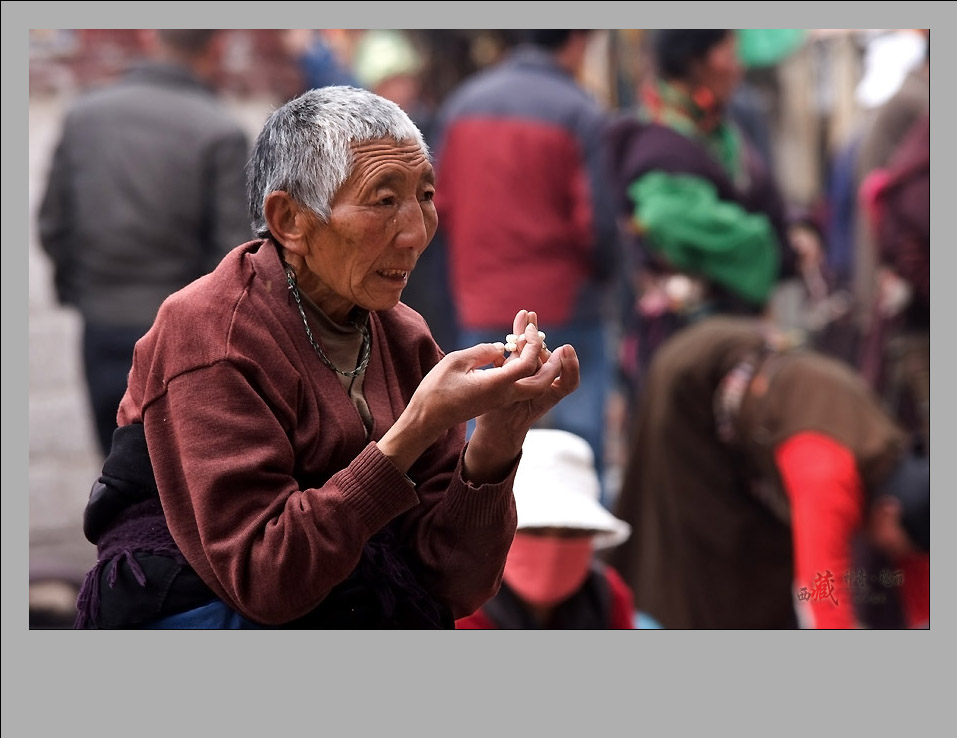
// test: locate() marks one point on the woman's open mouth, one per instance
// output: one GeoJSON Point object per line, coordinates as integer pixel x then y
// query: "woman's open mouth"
{"type": "Point", "coordinates": [394, 275]}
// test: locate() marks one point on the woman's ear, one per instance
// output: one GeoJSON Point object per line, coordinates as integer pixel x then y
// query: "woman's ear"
{"type": "Point", "coordinates": [286, 221]}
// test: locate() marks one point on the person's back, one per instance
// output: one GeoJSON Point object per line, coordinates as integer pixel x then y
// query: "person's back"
{"type": "Point", "coordinates": [151, 200]}
{"type": "Point", "coordinates": [519, 189]}
{"type": "Point", "coordinates": [753, 469]}
{"type": "Point", "coordinates": [145, 194]}
{"type": "Point", "coordinates": [522, 191]}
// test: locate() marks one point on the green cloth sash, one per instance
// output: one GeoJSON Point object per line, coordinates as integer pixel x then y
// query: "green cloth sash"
{"type": "Point", "coordinates": [682, 219]}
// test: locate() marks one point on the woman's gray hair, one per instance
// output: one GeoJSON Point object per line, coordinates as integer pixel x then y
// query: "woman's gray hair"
{"type": "Point", "coordinates": [305, 146]}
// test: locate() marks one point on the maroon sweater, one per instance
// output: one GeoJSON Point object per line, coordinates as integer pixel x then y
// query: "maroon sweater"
{"type": "Point", "coordinates": [268, 482]}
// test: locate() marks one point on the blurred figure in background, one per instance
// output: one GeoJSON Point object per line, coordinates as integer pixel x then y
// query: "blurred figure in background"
{"type": "Point", "coordinates": [893, 66]}
{"type": "Point", "coordinates": [896, 92]}
{"type": "Point", "coordinates": [892, 257]}
{"type": "Point", "coordinates": [319, 62]}
{"type": "Point", "coordinates": [552, 579]}
{"type": "Point", "coordinates": [705, 218]}
{"type": "Point", "coordinates": [897, 349]}
{"type": "Point", "coordinates": [387, 62]}
{"type": "Point", "coordinates": [755, 469]}
{"type": "Point", "coordinates": [146, 193]}
{"type": "Point", "coordinates": [523, 190]}
{"type": "Point", "coordinates": [760, 51]}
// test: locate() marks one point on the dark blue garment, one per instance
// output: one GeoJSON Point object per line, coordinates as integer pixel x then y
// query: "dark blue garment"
{"type": "Point", "coordinates": [320, 67]}
{"type": "Point", "coordinates": [107, 358]}
{"type": "Point", "coordinates": [215, 615]}
{"type": "Point", "coordinates": [842, 212]}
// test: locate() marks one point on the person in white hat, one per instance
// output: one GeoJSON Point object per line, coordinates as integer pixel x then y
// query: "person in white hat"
{"type": "Point", "coordinates": [553, 578]}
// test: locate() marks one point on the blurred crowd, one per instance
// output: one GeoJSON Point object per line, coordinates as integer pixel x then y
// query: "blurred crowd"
{"type": "Point", "coordinates": [765, 191]}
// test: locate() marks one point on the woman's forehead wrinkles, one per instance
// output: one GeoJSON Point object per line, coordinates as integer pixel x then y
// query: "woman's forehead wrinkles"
{"type": "Point", "coordinates": [392, 170]}
{"type": "Point", "coordinates": [387, 145]}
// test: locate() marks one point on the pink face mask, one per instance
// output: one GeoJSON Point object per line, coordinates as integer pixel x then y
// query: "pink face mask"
{"type": "Point", "coordinates": [545, 570]}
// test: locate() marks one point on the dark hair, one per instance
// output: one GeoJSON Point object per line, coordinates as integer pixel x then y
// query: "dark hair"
{"type": "Point", "coordinates": [675, 49]}
{"type": "Point", "coordinates": [189, 41]}
{"type": "Point", "coordinates": [549, 38]}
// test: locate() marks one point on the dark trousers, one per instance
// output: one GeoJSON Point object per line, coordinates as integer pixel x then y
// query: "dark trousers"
{"type": "Point", "coordinates": [107, 358]}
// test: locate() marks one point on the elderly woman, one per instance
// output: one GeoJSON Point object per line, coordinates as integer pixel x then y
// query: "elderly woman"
{"type": "Point", "coordinates": [305, 432]}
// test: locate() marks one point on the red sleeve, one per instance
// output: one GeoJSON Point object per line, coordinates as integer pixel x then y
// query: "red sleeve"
{"type": "Point", "coordinates": [915, 590]}
{"type": "Point", "coordinates": [478, 620]}
{"type": "Point", "coordinates": [823, 486]}
{"type": "Point", "coordinates": [622, 602]}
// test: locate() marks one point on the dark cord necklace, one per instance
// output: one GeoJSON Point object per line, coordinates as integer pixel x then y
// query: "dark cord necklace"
{"type": "Point", "coordinates": [364, 330]}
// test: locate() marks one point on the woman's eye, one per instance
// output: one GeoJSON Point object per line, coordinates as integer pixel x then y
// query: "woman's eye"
{"type": "Point", "coordinates": [428, 195]}
{"type": "Point", "coordinates": [387, 200]}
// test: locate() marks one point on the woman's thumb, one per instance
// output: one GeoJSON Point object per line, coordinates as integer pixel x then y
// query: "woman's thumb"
{"type": "Point", "coordinates": [482, 354]}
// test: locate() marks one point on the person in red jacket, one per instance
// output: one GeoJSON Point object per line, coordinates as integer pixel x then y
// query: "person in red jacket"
{"type": "Point", "coordinates": [553, 579]}
{"type": "Point", "coordinates": [523, 188]}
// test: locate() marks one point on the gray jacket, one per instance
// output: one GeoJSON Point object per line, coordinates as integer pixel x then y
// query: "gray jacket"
{"type": "Point", "coordinates": [145, 194]}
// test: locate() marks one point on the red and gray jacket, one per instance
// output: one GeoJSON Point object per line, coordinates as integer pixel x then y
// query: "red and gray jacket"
{"type": "Point", "coordinates": [523, 200]}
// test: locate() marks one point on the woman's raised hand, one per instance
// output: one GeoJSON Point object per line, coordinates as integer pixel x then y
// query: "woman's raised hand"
{"type": "Point", "coordinates": [505, 394]}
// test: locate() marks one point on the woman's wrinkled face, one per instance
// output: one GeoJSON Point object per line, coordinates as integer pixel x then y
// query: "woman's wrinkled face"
{"type": "Point", "coordinates": [720, 70]}
{"type": "Point", "coordinates": [382, 219]}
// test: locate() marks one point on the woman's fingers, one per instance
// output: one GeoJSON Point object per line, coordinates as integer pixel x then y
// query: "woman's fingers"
{"type": "Point", "coordinates": [534, 339]}
{"type": "Point", "coordinates": [561, 373]}
{"type": "Point", "coordinates": [512, 343]}
{"type": "Point", "coordinates": [515, 342]}
{"type": "Point", "coordinates": [479, 355]}
{"type": "Point", "coordinates": [570, 372]}
{"type": "Point", "coordinates": [519, 322]}
{"type": "Point", "coordinates": [546, 374]}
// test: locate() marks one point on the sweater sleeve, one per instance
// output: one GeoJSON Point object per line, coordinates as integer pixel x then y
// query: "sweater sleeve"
{"type": "Point", "coordinates": [269, 548]}
{"type": "Point", "coordinates": [825, 492]}
{"type": "Point", "coordinates": [274, 550]}
{"type": "Point", "coordinates": [681, 217]}
{"type": "Point", "coordinates": [462, 532]}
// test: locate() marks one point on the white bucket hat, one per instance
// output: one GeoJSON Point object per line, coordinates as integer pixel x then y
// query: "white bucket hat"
{"type": "Point", "coordinates": [557, 486]}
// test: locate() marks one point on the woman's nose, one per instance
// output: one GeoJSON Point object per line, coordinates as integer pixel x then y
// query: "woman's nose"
{"type": "Point", "coordinates": [413, 229]}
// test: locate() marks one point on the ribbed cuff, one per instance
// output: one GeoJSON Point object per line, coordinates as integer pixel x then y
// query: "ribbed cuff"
{"type": "Point", "coordinates": [376, 488]}
{"type": "Point", "coordinates": [479, 506]}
